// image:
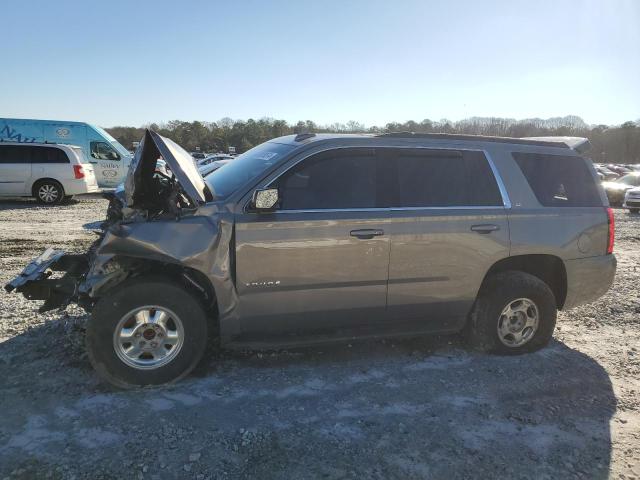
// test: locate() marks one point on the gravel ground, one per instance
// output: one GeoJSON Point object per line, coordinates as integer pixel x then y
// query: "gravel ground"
{"type": "Point", "coordinates": [420, 408]}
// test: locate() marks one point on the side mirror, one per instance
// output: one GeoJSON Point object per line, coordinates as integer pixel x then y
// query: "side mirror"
{"type": "Point", "coordinates": [265, 200]}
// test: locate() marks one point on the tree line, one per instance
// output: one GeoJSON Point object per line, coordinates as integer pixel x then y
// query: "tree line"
{"type": "Point", "coordinates": [610, 144]}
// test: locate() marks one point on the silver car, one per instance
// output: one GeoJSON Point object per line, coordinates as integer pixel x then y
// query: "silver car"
{"type": "Point", "coordinates": [315, 238]}
{"type": "Point", "coordinates": [632, 200]}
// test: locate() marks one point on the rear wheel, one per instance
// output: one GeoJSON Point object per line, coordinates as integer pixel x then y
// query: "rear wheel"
{"type": "Point", "coordinates": [147, 332]}
{"type": "Point", "coordinates": [515, 313]}
{"type": "Point", "coordinates": [48, 192]}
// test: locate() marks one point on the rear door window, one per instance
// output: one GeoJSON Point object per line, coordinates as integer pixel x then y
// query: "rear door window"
{"type": "Point", "coordinates": [48, 155]}
{"type": "Point", "coordinates": [441, 178]}
{"type": "Point", "coordinates": [338, 179]}
{"type": "Point", "coordinates": [558, 180]}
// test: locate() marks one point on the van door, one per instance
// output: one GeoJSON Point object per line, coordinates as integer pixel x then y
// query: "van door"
{"type": "Point", "coordinates": [107, 163]}
{"type": "Point", "coordinates": [320, 261]}
{"type": "Point", "coordinates": [448, 227]}
{"type": "Point", "coordinates": [15, 169]}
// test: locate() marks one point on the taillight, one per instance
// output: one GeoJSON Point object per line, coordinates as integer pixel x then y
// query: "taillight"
{"type": "Point", "coordinates": [612, 230]}
{"type": "Point", "coordinates": [77, 171]}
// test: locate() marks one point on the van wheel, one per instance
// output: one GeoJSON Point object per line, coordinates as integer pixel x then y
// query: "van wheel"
{"type": "Point", "coordinates": [48, 192]}
{"type": "Point", "coordinates": [146, 332]}
{"type": "Point", "coordinates": [514, 313]}
{"type": "Point", "coordinates": [68, 198]}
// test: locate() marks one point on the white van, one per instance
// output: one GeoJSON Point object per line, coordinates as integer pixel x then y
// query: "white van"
{"type": "Point", "coordinates": [50, 173]}
{"type": "Point", "coordinates": [110, 159]}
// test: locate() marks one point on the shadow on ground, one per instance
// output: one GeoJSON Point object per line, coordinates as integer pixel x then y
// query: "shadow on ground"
{"type": "Point", "coordinates": [419, 408]}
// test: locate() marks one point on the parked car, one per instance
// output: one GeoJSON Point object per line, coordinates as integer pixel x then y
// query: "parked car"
{"type": "Point", "coordinates": [605, 174]}
{"type": "Point", "coordinates": [312, 238]}
{"type": "Point", "coordinates": [50, 173]}
{"type": "Point", "coordinates": [616, 189]}
{"type": "Point", "coordinates": [213, 158]}
{"type": "Point", "coordinates": [212, 167]}
{"type": "Point", "coordinates": [109, 158]}
{"type": "Point", "coordinates": [632, 200]}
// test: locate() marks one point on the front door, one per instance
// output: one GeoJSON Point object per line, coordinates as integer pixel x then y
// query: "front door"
{"type": "Point", "coordinates": [448, 226]}
{"type": "Point", "coordinates": [15, 169]}
{"type": "Point", "coordinates": [320, 261]}
{"type": "Point", "coordinates": [107, 163]}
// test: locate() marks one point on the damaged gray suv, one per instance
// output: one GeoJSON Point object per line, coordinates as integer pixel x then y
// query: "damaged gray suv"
{"type": "Point", "coordinates": [315, 238]}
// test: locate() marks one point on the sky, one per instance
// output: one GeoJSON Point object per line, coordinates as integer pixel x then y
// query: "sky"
{"type": "Point", "coordinates": [131, 63]}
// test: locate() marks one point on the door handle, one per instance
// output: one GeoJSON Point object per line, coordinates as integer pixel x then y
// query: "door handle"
{"type": "Point", "coordinates": [93, 162]}
{"type": "Point", "coordinates": [485, 228]}
{"type": "Point", "coordinates": [366, 233]}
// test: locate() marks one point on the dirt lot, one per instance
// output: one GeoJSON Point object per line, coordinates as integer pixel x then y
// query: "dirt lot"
{"type": "Point", "coordinates": [422, 408]}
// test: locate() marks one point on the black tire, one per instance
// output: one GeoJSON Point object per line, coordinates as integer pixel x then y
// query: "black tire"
{"type": "Point", "coordinates": [496, 294]}
{"type": "Point", "coordinates": [132, 294]}
{"type": "Point", "coordinates": [68, 198]}
{"type": "Point", "coordinates": [44, 189]}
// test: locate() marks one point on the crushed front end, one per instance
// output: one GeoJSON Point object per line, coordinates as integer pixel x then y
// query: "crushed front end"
{"type": "Point", "coordinates": [142, 218]}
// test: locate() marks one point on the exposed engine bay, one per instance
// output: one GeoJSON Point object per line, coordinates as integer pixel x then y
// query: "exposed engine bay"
{"type": "Point", "coordinates": [133, 238]}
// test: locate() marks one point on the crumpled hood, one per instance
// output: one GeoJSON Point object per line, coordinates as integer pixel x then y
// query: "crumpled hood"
{"type": "Point", "coordinates": [140, 174]}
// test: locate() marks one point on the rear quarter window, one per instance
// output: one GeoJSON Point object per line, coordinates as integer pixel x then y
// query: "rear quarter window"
{"type": "Point", "coordinates": [559, 180]}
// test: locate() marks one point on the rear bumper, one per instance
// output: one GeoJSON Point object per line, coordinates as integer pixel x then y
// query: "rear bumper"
{"type": "Point", "coordinates": [588, 279]}
{"type": "Point", "coordinates": [78, 187]}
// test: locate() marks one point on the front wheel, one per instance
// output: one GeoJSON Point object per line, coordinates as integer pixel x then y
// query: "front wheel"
{"type": "Point", "coordinates": [147, 332]}
{"type": "Point", "coordinates": [514, 313]}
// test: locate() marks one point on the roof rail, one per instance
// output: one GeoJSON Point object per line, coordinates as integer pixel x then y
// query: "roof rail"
{"type": "Point", "coordinates": [480, 138]}
{"type": "Point", "coordinates": [579, 144]}
{"type": "Point", "coordinates": [303, 136]}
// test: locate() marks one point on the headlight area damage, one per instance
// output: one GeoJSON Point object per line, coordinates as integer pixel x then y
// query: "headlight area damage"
{"type": "Point", "coordinates": [152, 226]}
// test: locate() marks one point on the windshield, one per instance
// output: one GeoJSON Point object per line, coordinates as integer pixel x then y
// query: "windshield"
{"type": "Point", "coordinates": [224, 181]}
{"type": "Point", "coordinates": [630, 180]}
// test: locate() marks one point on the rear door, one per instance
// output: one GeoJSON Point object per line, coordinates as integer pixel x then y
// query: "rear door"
{"type": "Point", "coordinates": [51, 162]}
{"type": "Point", "coordinates": [448, 226]}
{"type": "Point", "coordinates": [15, 169]}
{"type": "Point", "coordinates": [321, 259]}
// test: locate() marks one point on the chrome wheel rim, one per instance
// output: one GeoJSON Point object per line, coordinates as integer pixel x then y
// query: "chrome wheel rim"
{"type": "Point", "coordinates": [48, 193]}
{"type": "Point", "coordinates": [518, 322]}
{"type": "Point", "coordinates": [148, 337]}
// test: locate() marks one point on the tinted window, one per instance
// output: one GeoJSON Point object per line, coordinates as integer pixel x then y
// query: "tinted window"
{"type": "Point", "coordinates": [335, 179]}
{"type": "Point", "coordinates": [48, 155]}
{"type": "Point", "coordinates": [15, 154]}
{"type": "Point", "coordinates": [559, 181]}
{"type": "Point", "coordinates": [443, 178]}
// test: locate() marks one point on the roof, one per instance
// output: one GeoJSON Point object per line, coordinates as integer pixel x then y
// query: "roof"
{"type": "Point", "coordinates": [576, 143]}
{"type": "Point", "coordinates": [38, 144]}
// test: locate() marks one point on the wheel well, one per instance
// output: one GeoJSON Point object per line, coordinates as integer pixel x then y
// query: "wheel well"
{"type": "Point", "coordinates": [548, 268]}
{"type": "Point", "coordinates": [40, 180]}
{"type": "Point", "coordinates": [192, 280]}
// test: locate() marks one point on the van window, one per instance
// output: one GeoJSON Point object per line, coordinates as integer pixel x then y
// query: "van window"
{"type": "Point", "coordinates": [103, 151]}
{"type": "Point", "coordinates": [15, 154]}
{"type": "Point", "coordinates": [48, 155]}
{"type": "Point", "coordinates": [558, 180]}
{"type": "Point", "coordinates": [442, 178]}
{"type": "Point", "coordinates": [336, 179]}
